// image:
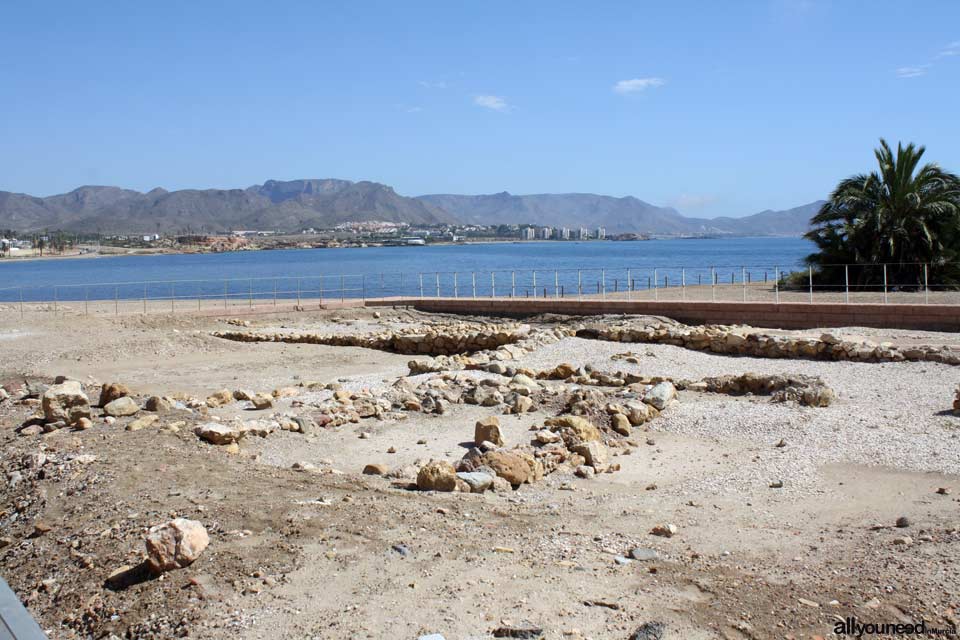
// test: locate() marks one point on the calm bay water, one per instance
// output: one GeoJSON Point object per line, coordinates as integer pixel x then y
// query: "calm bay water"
{"type": "Point", "coordinates": [400, 270]}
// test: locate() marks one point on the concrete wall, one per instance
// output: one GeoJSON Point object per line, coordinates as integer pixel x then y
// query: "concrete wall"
{"type": "Point", "coordinates": [790, 315]}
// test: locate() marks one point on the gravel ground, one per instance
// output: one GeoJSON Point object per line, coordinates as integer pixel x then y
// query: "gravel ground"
{"type": "Point", "coordinates": [887, 414]}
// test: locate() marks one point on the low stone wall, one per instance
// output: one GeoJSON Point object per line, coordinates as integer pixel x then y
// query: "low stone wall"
{"type": "Point", "coordinates": [788, 315]}
{"type": "Point", "coordinates": [742, 341]}
{"type": "Point", "coordinates": [445, 340]}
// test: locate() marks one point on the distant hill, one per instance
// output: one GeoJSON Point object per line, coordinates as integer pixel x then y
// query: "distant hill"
{"type": "Point", "coordinates": [617, 215]}
{"type": "Point", "coordinates": [297, 204]}
{"type": "Point", "coordinates": [286, 206]}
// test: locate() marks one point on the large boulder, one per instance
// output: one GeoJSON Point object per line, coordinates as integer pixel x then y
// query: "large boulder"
{"type": "Point", "coordinates": [220, 398]}
{"type": "Point", "coordinates": [65, 401]}
{"type": "Point", "coordinates": [594, 453]}
{"type": "Point", "coordinates": [661, 395]}
{"type": "Point", "coordinates": [437, 475]}
{"type": "Point", "coordinates": [488, 430]}
{"type": "Point", "coordinates": [508, 465]}
{"type": "Point", "coordinates": [123, 406]}
{"type": "Point", "coordinates": [478, 481]}
{"type": "Point", "coordinates": [159, 404]}
{"type": "Point", "coordinates": [112, 391]}
{"type": "Point", "coordinates": [217, 433]}
{"type": "Point", "coordinates": [175, 544]}
{"type": "Point", "coordinates": [574, 429]}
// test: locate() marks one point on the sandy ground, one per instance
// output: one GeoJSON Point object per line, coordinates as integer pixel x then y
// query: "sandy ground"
{"type": "Point", "coordinates": [342, 555]}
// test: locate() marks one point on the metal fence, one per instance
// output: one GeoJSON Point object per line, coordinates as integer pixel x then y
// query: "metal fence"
{"type": "Point", "coordinates": [855, 283]}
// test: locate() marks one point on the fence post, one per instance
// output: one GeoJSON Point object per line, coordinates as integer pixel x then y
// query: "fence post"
{"type": "Point", "coordinates": [534, 283]}
{"type": "Point", "coordinates": [743, 281]}
{"type": "Point", "coordinates": [846, 283]}
{"type": "Point", "coordinates": [438, 283]}
{"type": "Point", "coordinates": [579, 285]}
{"type": "Point", "coordinates": [884, 283]}
{"type": "Point", "coordinates": [420, 278]}
{"type": "Point", "coordinates": [926, 287]}
{"type": "Point", "coordinates": [556, 283]}
{"type": "Point", "coordinates": [656, 286]}
{"type": "Point", "coordinates": [493, 284]}
{"type": "Point", "coordinates": [456, 288]}
{"type": "Point", "coordinates": [513, 284]}
{"type": "Point", "coordinates": [776, 284]}
{"type": "Point", "coordinates": [810, 280]}
{"type": "Point", "coordinates": [629, 285]}
{"type": "Point", "coordinates": [713, 285]}
{"type": "Point", "coordinates": [226, 282]}
{"type": "Point", "coordinates": [683, 284]}
{"type": "Point", "coordinates": [320, 286]}
{"type": "Point", "coordinates": [603, 284]}
{"type": "Point", "coordinates": [473, 280]}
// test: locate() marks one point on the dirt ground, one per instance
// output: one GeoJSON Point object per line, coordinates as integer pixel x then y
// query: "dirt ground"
{"type": "Point", "coordinates": [339, 554]}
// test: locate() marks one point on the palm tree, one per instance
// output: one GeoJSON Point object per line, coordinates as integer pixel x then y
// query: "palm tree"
{"type": "Point", "coordinates": [899, 215]}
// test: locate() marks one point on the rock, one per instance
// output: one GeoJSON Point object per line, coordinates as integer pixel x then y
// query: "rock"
{"type": "Point", "coordinates": [507, 465]}
{"type": "Point", "coordinates": [903, 540]}
{"type": "Point", "coordinates": [262, 401]}
{"type": "Point", "coordinates": [488, 430]}
{"type": "Point", "coordinates": [574, 429]}
{"type": "Point", "coordinates": [643, 554]}
{"type": "Point", "coordinates": [620, 423]}
{"type": "Point", "coordinates": [124, 406]}
{"type": "Point", "coordinates": [158, 404]}
{"type": "Point", "coordinates": [594, 453]}
{"type": "Point", "coordinates": [243, 395]}
{"type": "Point", "coordinates": [220, 398]}
{"type": "Point", "coordinates": [112, 391]}
{"type": "Point", "coordinates": [66, 402]}
{"type": "Point", "coordinates": [664, 530]}
{"type": "Point", "coordinates": [437, 475]}
{"type": "Point", "coordinates": [661, 395]}
{"type": "Point", "coordinates": [365, 407]}
{"type": "Point", "coordinates": [639, 412]}
{"type": "Point", "coordinates": [4, 396]}
{"type": "Point", "coordinates": [584, 471]}
{"type": "Point", "coordinates": [175, 544]}
{"type": "Point", "coordinates": [776, 484]}
{"type": "Point", "coordinates": [286, 392]}
{"type": "Point", "coordinates": [649, 631]}
{"type": "Point", "coordinates": [903, 522]}
{"type": "Point", "coordinates": [522, 404]}
{"type": "Point", "coordinates": [525, 632]}
{"type": "Point", "coordinates": [376, 470]}
{"type": "Point", "coordinates": [524, 381]}
{"type": "Point", "coordinates": [140, 423]}
{"type": "Point", "coordinates": [217, 433]}
{"type": "Point", "coordinates": [84, 423]}
{"type": "Point", "coordinates": [545, 436]}
{"type": "Point", "coordinates": [478, 481]}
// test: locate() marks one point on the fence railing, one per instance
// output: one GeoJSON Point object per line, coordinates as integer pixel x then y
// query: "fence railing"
{"type": "Point", "coordinates": [854, 283]}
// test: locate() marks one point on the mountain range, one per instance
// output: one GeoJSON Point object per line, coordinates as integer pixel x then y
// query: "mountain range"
{"type": "Point", "coordinates": [298, 204]}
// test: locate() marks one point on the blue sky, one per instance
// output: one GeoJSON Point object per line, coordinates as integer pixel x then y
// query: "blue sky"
{"type": "Point", "coordinates": [716, 108]}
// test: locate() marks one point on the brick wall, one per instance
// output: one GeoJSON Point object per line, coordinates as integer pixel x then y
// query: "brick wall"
{"type": "Point", "coordinates": [789, 315]}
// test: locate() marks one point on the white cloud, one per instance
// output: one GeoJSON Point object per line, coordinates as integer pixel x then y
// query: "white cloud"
{"type": "Point", "coordinates": [637, 84]}
{"type": "Point", "coordinates": [491, 102]}
{"type": "Point", "coordinates": [912, 72]}
{"type": "Point", "coordinates": [952, 49]}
